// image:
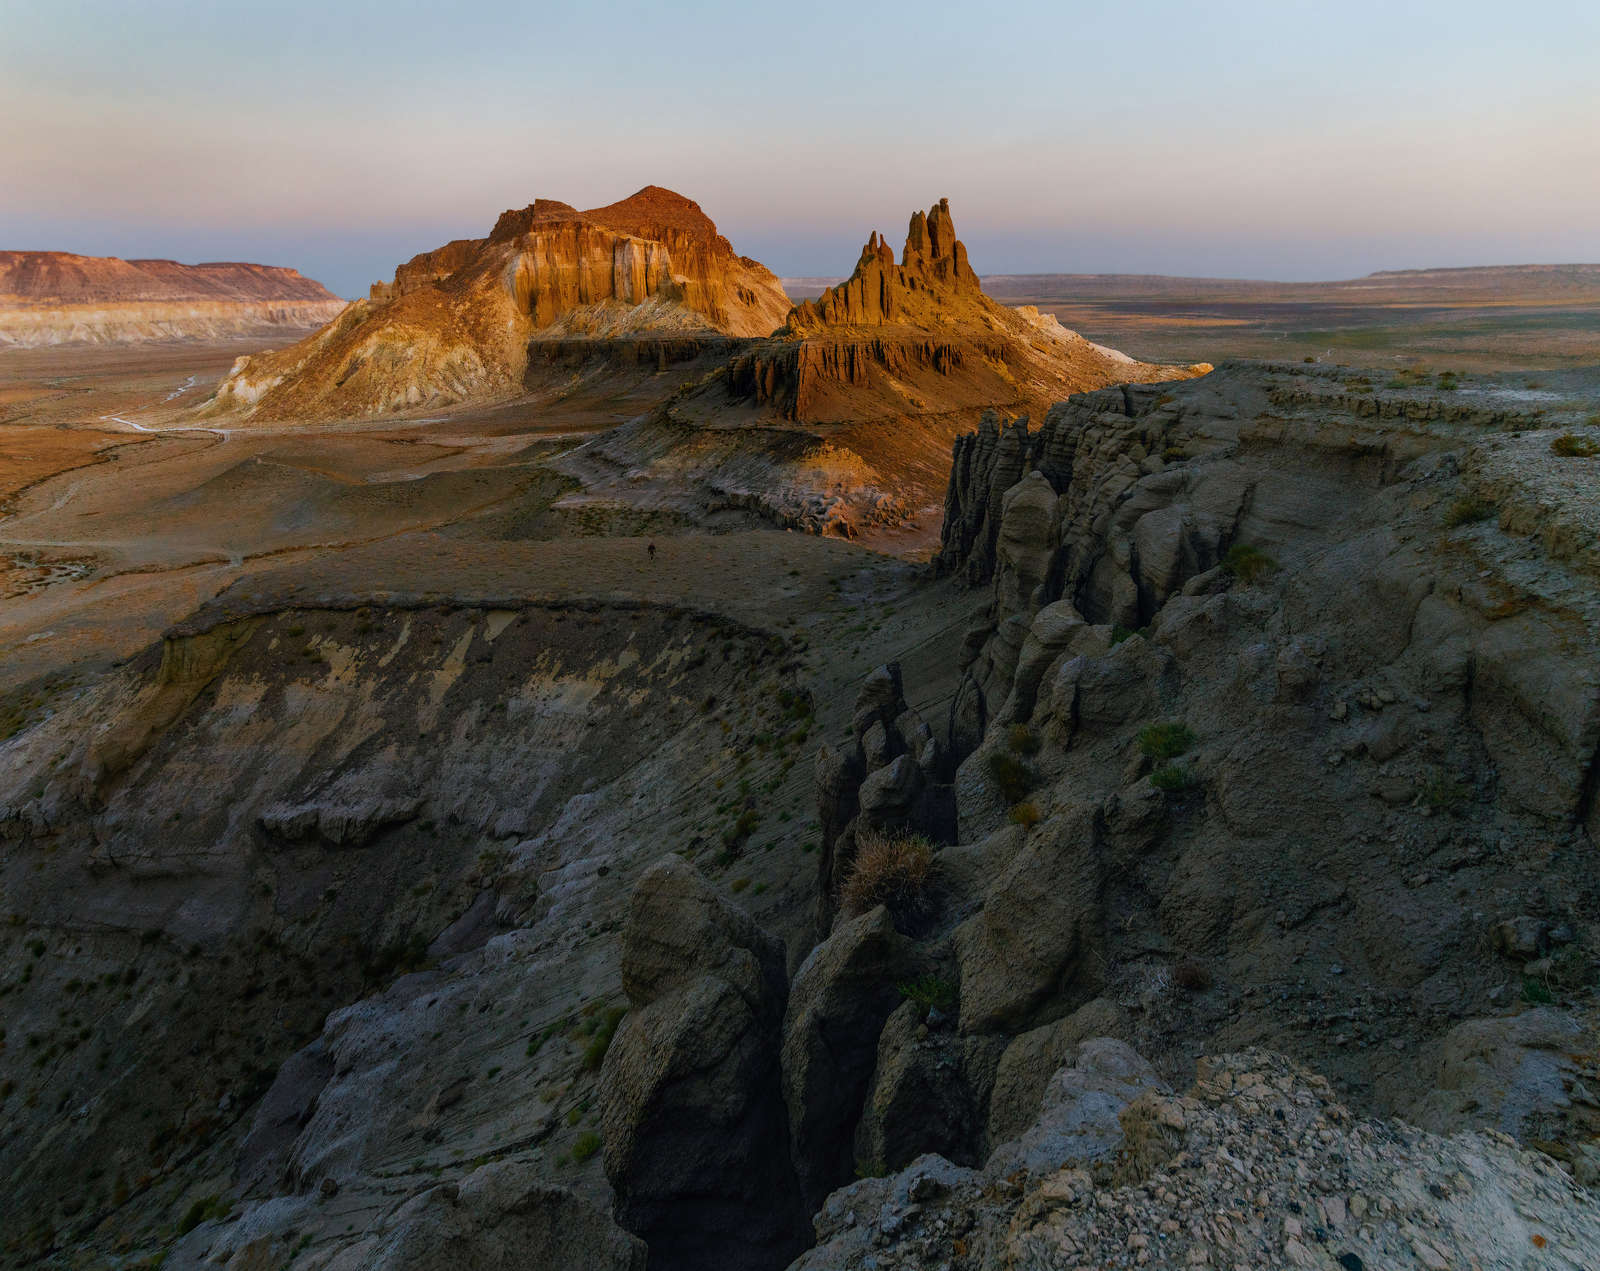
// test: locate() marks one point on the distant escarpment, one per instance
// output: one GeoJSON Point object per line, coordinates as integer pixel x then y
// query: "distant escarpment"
{"type": "Point", "coordinates": [455, 324]}
{"type": "Point", "coordinates": [61, 298]}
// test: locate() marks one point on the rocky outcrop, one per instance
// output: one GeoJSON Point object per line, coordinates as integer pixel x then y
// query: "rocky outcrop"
{"type": "Point", "coordinates": [891, 776]}
{"type": "Point", "coordinates": [1256, 1165]}
{"type": "Point", "coordinates": [499, 1217]}
{"type": "Point", "coordinates": [49, 298]}
{"type": "Point", "coordinates": [1078, 1116]}
{"type": "Point", "coordinates": [1126, 504]}
{"type": "Point", "coordinates": [842, 994]}
{"type": "Point", "coordinates": [933, 274]}
{"type": "Point", "coordinates": [1030, 945]}
{"type": "Point", "coordinates": [690, 1099]}
{"type": "Point", "coordinates": [929, 1091]}
{"type": "Point", "coordinates": [1533, 1076]}
{"type": "Point", "coordinates": [920, 337]}
{"type": "Point", "coordinates": [456, 322]}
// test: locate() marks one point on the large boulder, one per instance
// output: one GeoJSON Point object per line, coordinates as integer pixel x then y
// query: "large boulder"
{"type": "Point", "coordinates": [929, 1088]}
{"type": "Point", "coordinates": [692, 1116]}
{"type": "Point", "coordinates": [1028, 945]}
{"type": "Point", "coordinates": [1079, 1116]}
{"type": "Point", "coordinates": [842, 994]}
{"type": "Point", "coordinates": [1532, 1076]}
{"type": "Point", "coordinates": [502, 1218]}
{"type": "Point", "coordinates": [1032, 1058]}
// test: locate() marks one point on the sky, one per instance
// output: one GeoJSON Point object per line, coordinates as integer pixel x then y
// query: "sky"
{"type": "Point", "coordinates": [1231, 138]}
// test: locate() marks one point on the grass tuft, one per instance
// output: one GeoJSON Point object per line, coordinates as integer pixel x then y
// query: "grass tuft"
{"type": "Point", "coordinates": [1011, 775]}
{"type": "Point", "coordinates": [1248, 564]}
{"type": "Point", "coordinates": [889, 869]}
{"type": "Point", "coordinates": [1165, 741]}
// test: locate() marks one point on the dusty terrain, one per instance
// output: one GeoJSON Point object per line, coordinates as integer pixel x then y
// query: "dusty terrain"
{"type": "Point", "coordinates": [424, 841]}
{"type": "Point", "coordinates": [1533, 318]}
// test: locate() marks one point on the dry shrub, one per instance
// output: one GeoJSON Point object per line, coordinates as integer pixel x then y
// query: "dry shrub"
{"type": "Point", "coordinates": [1025, 814]}
{"type": "Point", "coordinates": [1152, 1134]}
{"type": "Point", "coordinates": [889, 869]}
{"type": "Point", "coordinates": [1571, 446]}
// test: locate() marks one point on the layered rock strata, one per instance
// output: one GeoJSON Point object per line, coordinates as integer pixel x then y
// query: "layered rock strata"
{"type": "Point", "coordinates": [49, 298]}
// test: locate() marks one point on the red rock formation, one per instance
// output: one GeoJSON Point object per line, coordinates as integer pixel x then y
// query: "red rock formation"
{"type": "Point", "coordinates": [921, 338]}
{"type": "Point", "coordinates": [456, 322]}
{"type": "Point", "coordinates": [928, 287]}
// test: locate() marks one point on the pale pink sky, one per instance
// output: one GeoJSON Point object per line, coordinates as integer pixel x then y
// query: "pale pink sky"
{"type": "Point", "coordinates": [1237, 137]}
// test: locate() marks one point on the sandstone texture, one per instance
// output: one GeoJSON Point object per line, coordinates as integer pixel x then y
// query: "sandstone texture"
{"type": "Point", "coordinates": [49, 298]}
{"type": "Point", "coordinates": [456, 323]}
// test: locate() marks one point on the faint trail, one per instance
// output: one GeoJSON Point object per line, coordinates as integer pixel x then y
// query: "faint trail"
{"type": "Point", "coordinates": [222, 433]}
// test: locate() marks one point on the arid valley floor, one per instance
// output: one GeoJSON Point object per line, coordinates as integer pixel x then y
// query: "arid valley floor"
{"type": "Point", "coordinates": [437, 769]}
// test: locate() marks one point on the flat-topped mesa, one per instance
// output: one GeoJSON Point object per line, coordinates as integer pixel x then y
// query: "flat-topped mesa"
{"type": "Point", "coordinates": [51, 298]}
{"type": "Point", "coordinates": [932, 285]}
{"type": "Point", "coordinates": [456, 323]}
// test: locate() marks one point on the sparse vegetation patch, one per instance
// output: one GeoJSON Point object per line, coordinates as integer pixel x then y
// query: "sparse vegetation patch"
{"type": "Point", "coordinates": [1248, 564]}
{"type": "Point", "coordinates": [1165, 740]}
{"type": "Point", "coordinates": [1571, 446]}
{"type": "Point", "coordinates": [1013, 777]}
{"type": "Point", "coordinates": [889, 869]}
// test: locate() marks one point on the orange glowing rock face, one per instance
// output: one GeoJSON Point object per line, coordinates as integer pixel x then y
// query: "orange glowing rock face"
{"type": "Point", "coordinates": [455, 322]}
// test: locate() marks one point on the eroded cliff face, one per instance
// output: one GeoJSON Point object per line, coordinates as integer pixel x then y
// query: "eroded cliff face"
{"type": "Point", "coordinates": [1277, 682]}
{"type": "Point", "coordinates": [1279, 728]}
{"type": "Point", "coordinates": [455, 324]}
{"type": "Point", "coordinates": [49, 298]}
{"type": "Point", "coordinates": [384, 847]}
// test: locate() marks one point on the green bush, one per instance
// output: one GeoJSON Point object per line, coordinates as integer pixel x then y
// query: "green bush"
{"type": "Point", "coordinates": [1013, 777]}
{"type": "Point", "coordinates": [1536, 992]}
{"type": "Point", "coordinates": [1443, 793]}
{"type": "Point", "coordinates": [735, 835]}
{"type": "Point", "coordinates": [929, 992]}
{"type": "Point", "coordinates": [1165, 741]}
{"type": "Point", "coordinates": [1248, 564]}
{"type": "Point", "coordinates": [1173, 779]}
{"type": "Point", "coordinates": [203, 1210]}
{"type": "Point", "coordinates": [595, 1052]}
{"type": "Point", "coordinates": [585, 1146]}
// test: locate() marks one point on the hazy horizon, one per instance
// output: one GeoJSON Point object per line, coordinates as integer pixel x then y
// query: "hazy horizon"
{"type": "Point", "coordinates": [1255, 140]}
